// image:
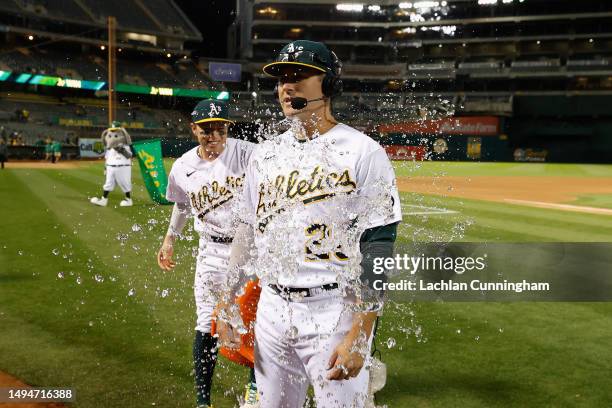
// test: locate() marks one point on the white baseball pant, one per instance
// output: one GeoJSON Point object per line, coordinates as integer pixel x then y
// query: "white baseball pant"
{"type": "Point", "coordinates": [211, 272]}
{"type": "Point", "coordinates": [293, 344]}
{"type": "Point", "coordinates": [118, 175]}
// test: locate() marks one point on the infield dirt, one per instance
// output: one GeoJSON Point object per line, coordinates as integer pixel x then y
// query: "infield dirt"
{"type": "Point", "coordinates": [554, 190]}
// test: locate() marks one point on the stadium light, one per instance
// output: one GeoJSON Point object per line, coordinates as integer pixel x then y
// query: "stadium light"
{"type": "Point", "coordinates": [591, 40]}
{"type": "Point", "coordinates": [30, 37]}
{"type": "Point", "coordinates": [487, 2]}
{"type": "Point", "coordinates": [407, 30]}
{"type": "Point", "coordinates": [168, 55]}
{"type": "Point", "coordinates": [355, 7]}
{"type": "Point", "coordinates": [374, 7]}
{"type": "Point", "coordinates": [426, 4]}
{"type": "Point", "coordinates": [416, 17]}
{"type": "Point", "coordinates": [254, 94]}
{"type": "Point", "coordinates": [103, 47]}
{"type": "Point", "coordinates": [268, 10]}
{"type": "Point", "coordinates": [405, 5]}
{"type": "Point", "coordinates": [538, 42]}
{"type": "Point", "coordinates": [506, 1]}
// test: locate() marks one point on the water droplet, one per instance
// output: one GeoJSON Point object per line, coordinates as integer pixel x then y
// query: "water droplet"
{"type": "Point", "coordinates": [136, 227]}
{"type": "Point", "coordinates": [477, 338]}
{"type": "Point", "coordinates": [55, 251]}
{"type": "Point", "coordinates": [99, 278]}
{"type": "Point", "coordinates": [60, 275]}
{"type": "Point", "coordinates": [90, 323]}
{"type": "Point", "coordinates": [79, 280]}
{"type": "Point", "coordinates": [131, 292]}
{"type": "Point", "coordinates": [391, 342]}
{"type": "Point", "coordinates": [164, 293]}
{"type": "Point", "coordinates": [458, 331]}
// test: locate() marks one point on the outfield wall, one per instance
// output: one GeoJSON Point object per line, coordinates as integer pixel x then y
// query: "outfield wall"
{"type": "Point", "coordinates": [474, 138]}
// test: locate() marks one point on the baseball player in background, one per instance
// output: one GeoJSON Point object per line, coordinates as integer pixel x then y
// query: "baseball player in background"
{"type": "Point", "coordinates": [118, 165]}
{"type": "Point", "coordinates": [205, 182]}
{"type": "Point", "coordinates": [320, 201]}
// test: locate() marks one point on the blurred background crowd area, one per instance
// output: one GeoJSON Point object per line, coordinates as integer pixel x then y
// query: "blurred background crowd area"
{"type": "Point", "coordinates": [539, 71]}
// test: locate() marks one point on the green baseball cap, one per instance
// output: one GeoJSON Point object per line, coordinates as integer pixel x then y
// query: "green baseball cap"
{"type": "Point", "coordinates": [210, 110]}
{"type": "Point", "coordinates": [115, 125]}
{"type": "Point", "coordinates": [304, 54]}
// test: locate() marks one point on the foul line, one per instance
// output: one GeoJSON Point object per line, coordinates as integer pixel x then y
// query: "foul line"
{"type": "Point", "coordinates": [431, 210]}
{"type": "Point", "coordinates": [564, 207]}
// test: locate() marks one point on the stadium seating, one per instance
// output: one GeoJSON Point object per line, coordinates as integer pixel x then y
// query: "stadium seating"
{"type": "Point", "coordinates": [93, 67]}
{"type": "Point", "coordinates": [49, 115]}
{"type": "Point", "coordinates": [157, 16]}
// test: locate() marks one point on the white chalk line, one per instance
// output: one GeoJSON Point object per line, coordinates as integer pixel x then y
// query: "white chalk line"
{"type": "Point", "coordinates": [564, 207]}
{"type": "Point", "coordinates": [431, 210]}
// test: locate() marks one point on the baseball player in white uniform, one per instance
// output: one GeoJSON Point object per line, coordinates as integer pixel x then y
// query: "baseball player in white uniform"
{"type": "Point", "coordinates": [205, 183]}
{"type": "Point", "coordinates": [118, 165]}
{"type": "Point", "coordinates": [320, 201]}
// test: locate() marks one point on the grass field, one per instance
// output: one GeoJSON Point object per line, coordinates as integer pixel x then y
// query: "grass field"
{"type": "Point", "coordinates": [83, 303]}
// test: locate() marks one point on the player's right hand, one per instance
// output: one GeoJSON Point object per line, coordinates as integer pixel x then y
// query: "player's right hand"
{"type": "Point", "coordinates": [164, 257]}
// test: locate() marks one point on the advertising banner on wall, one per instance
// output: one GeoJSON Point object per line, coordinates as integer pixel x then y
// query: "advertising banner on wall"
{"type": "Point", "coordinates": [400, 152]}
{"type": "Point", "coordinates": [468, 125]}
{"type": "Point", "coordinates": [91, 148]}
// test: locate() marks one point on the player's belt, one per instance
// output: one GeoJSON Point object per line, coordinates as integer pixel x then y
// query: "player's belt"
{"type": "Point", "coordinates": [118, 165]}
{"type": "Point", "coordinates": [221, 240]}
{"type": "Point", "coordinates": [286, 292]}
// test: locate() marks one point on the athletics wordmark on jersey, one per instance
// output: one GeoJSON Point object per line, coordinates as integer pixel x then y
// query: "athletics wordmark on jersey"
{"type": "Point", "coordinates": [214, 195]}
{"type": "Point", "coordinates": [315, 186]}
{"type": "Point", "coordinates": [306, 187]}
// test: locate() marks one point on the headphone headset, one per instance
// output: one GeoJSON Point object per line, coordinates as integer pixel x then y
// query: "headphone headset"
{"type": "Point", "coordinates": [332, 84]}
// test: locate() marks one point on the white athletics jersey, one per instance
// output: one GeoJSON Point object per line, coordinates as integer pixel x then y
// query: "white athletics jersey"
{"type": "Point", "coordinates": [114, 158]}
{"type": "Point", "coordinates": [209, 186]}
{"type": "Point", "coordinates": [310, 201]}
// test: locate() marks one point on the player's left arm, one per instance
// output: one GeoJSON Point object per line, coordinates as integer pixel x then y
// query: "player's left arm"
{"type": "Point", "coordinates": [376, 182]}
{"type": "Point", "coordinates": [349, 356]}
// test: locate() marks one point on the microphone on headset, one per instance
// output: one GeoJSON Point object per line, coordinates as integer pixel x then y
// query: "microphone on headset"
{"type": "Point", "coordinates": [297, 102]}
